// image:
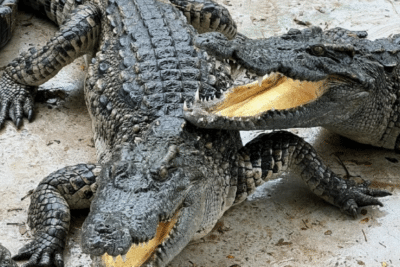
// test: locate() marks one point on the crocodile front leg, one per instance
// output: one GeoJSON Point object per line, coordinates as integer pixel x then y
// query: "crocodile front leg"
{"type": "Point", "coordinates": [269, 155]}
{"type": "Point", "coordinates": [76, 37]}
{"type": "Point", "coordinates": [49, 212]}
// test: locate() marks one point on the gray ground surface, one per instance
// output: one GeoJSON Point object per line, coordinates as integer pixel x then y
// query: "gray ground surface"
{"type": "Point", "coordinates": [282, 224]}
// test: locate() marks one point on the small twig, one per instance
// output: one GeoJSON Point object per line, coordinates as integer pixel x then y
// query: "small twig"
{"type": "Point", "coordinates": [30, 192]}
{"type": "Point", "coordinates": [280, 262]}
{"type": "Point", "coordinates": [15, 224]}
{"type": "Point", "coordinates": [343, 165]}
{"type": "Point", "coordinates": [304, 223]}
{"type": "Point", "coordinates": [348, 175]}
{"type": "Point", "coordinates": [393, 6]}
{"type": "Point", "coordinates": [382, 244]}
{"type": "Point", "coordinates": [365, 237]}
{"type": "Point", "coordinates": [16, 209]}
{"type": "Point", "coordinates": [201, 241]}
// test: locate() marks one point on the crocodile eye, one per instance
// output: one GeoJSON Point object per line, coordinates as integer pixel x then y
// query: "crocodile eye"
{"type": "Point", "coordinates": [160, 173]}
{"type": "Point", "coordinates": [163, 172]}
{"type": "Point", "coordinates": [318, 50]}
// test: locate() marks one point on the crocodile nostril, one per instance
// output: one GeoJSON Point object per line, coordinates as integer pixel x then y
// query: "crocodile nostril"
{"type": "Point", "coordinates": [104, 229]}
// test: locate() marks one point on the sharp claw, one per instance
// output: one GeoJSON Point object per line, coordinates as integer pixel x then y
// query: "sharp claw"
{"type": "Point", "coordinates": [378, 193]}
{"type": "Point", "coordinates": [353, 213]}
{"type": "Point", "coordinates": [30, 115]}
{"type": "Point", "coordinates": [18, 122]}
{"type": "Point", "coordinates": [58, 260]}
{"type": "Point", "coordinates": [197, 96]}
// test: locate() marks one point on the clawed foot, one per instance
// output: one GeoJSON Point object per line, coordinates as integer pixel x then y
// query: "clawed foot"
{"type": "Point", "coordinates": [16, 101]}
{"type": "Point", "coordinates": [44, 250]}
{"type": "Point", "coordinates": [358, 195]}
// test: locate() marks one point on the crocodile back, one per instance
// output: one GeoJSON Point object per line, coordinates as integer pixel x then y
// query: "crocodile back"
{"type": "Point", "coordinates": [145, 68]}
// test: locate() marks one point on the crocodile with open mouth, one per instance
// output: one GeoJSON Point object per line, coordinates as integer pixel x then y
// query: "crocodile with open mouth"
{"type": "Point", "coordinates": [160, 181]}
{"type": "Point", "coordinates": [336, 79]}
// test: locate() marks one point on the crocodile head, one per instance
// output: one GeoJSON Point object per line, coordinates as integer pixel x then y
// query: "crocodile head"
{"type": "Point", "coordinates": [150, 199]}
{"type": "Point", "coordinates": [301, 79]}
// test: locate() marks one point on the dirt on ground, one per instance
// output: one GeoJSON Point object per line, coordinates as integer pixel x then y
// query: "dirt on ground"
{"type": "Point", "coordinates": [282, 224]}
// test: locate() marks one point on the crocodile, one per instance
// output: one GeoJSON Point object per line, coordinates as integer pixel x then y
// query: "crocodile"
{"type": "Point", "coordinates": [5, 258]}
{"type": "Point", "coordinates": [160, 181]}
{"type": "Point", "coordinates": [336, 79]}
{"type": "Point", "coordinates": [8, 13]}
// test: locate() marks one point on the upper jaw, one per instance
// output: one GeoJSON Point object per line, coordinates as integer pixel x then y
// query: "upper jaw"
{"type": "Point", "coordinates": [327, 107]}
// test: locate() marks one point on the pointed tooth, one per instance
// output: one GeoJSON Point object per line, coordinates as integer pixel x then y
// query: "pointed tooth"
{"type": "Point", "coordinates": [260, 79]}
{"type": "Point", "coordinates": [185, 107]}
{"type": "Point", "coordinates": [123, 257]}
{"type": "Point", "coordinates": [238, 67]}
{"type": "Point", "coordinates": [251, 125]}
{"type": "Point", "coordinates": [114, 258]}
{"type": "Point", "coordinates": [272, 109]}
{"type": "Point", "coordinates": [197, 95]}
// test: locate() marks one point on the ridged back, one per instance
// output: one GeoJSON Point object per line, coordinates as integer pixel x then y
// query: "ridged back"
{"type": "Point", "coordinates": [145, 68]}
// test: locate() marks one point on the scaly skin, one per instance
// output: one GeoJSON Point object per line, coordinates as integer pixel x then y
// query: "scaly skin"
{"type": "Point", "coordinates": [153, 165]}
{"type": "Point", "coordinates": [8, 13]}
{"type": "Point", "coordinates": [5, 258]}
{"type": "Point", "coordinates": [362, 90]}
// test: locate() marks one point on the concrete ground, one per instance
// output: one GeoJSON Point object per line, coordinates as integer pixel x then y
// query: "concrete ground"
{"type": "Point", "coordinates": [282, 224]}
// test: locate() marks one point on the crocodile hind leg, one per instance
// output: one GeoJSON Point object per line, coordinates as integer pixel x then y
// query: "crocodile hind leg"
{"type": "Point", "coordinates": [269, 155]}
{"type": "Point", "coordinates": [49, 212]}
{"type": "Point", "coordinates": [77, 36]}
{"type": "Point", "coordinates": [207, 16]}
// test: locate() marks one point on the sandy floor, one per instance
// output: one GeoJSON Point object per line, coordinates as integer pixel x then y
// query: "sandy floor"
{"type": "Point", "coordinates": [282, 224]}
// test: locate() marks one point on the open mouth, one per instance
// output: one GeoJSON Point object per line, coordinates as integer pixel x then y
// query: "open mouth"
{"type": "Point", "coordinates": [139, 254]}
{"type": "Point", "coordinates": [272, 92]}
{"type": "Point", "coordinates": [256, 102]}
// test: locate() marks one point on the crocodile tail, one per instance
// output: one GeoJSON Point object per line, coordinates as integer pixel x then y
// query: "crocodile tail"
{"type": "Point", "coordinates": [8, 13]}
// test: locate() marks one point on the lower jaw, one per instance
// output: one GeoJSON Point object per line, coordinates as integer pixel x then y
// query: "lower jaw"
{"type": "Point", "coordinates": [140, 254]}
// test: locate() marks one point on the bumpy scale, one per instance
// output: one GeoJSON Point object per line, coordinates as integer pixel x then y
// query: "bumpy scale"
{"type": "Point", "coordinates": [160, 182]}
{"type": "Point", "coordinates": [336, 79]}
